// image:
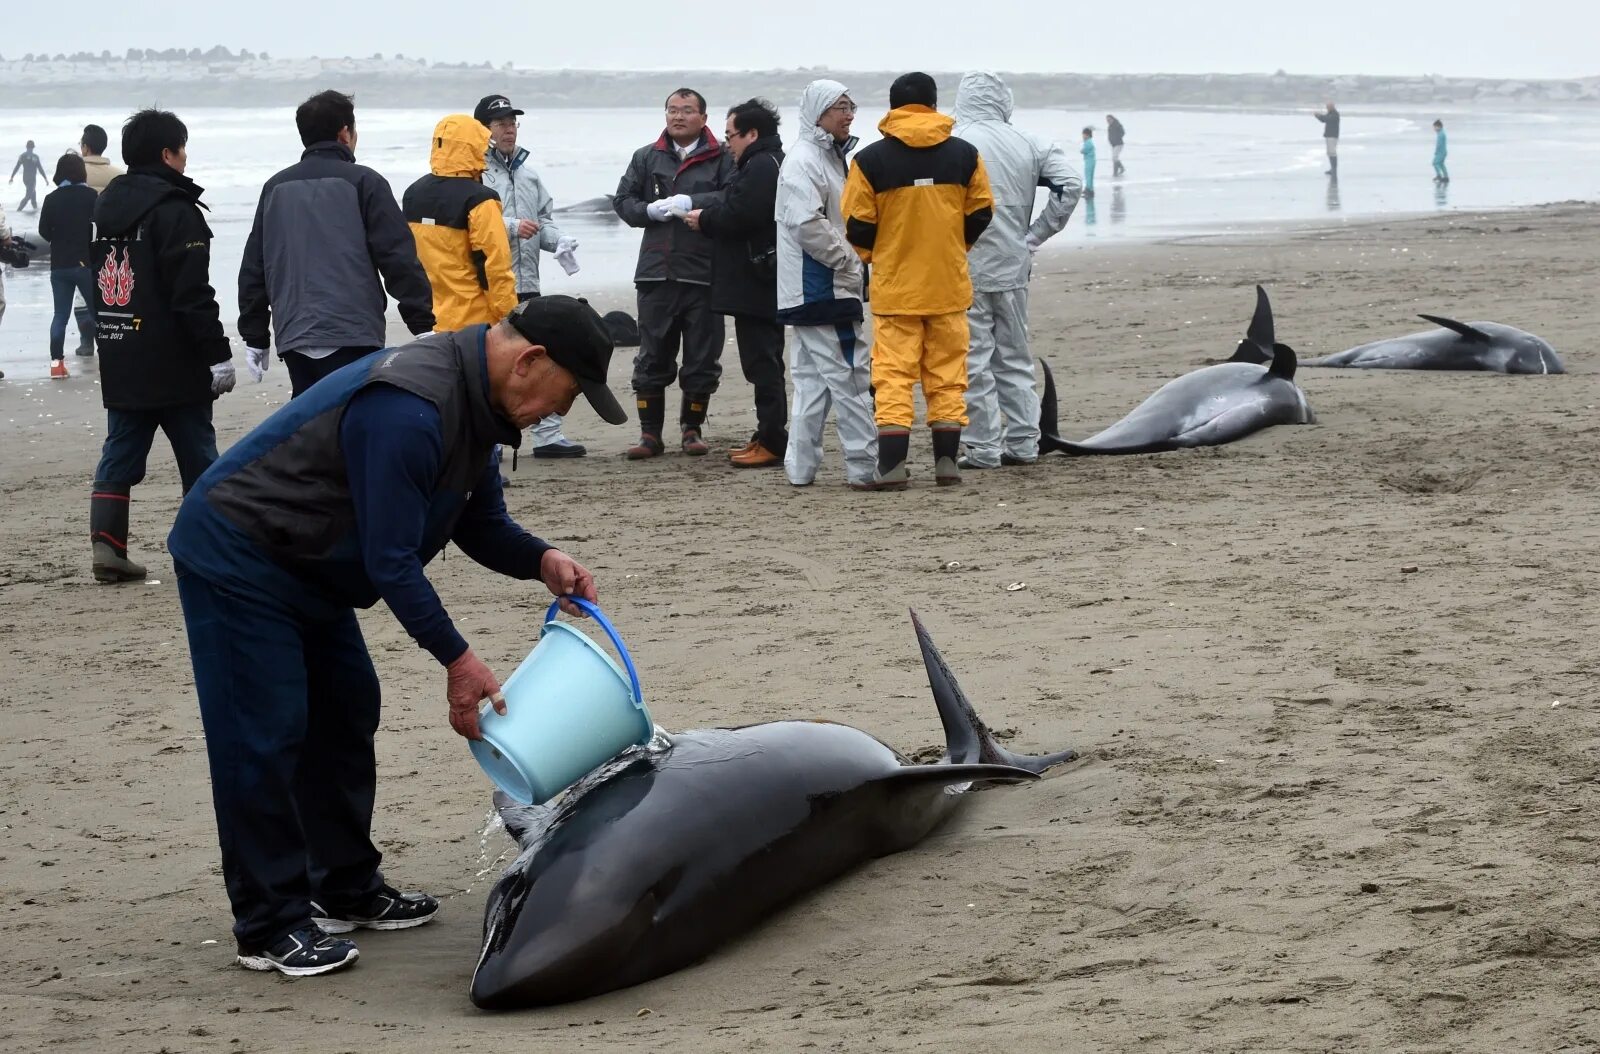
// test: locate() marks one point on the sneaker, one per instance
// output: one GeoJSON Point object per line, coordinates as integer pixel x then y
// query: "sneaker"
{"type": "Point", "coordinates": [560, 448]}
{"type": "Point", "coordinates": [1011, 460]}
{"type": "Point", "coordinates": [305, 952]}
{"type": "Point", "coordinates": [389, 909]}
{"type": "Point", "coordinates": [58, 369]}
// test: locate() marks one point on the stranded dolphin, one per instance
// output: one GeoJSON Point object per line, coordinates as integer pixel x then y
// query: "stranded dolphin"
{"type": "Point", "coordinates": [670, 850]}
{"type": "Point", "coordinates": [1455, 345]}
{"type": "Point", "coordinates": [1209, 406]}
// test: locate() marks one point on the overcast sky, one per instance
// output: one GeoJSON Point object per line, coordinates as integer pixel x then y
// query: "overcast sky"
{"type": "Point", "coordinates": [1490, 38]}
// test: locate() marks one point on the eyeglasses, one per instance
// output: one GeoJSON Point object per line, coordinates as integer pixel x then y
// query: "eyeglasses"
{"type": "Point", "coordinates": [844, 107]}
{"type": "Point", "coordinates": [682, 111]}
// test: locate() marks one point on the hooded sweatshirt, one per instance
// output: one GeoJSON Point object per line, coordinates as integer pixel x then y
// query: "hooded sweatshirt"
{"type": "Point", "coordinates": [914, 203]}
{"type": "Point", "coordinates": [156, 316]}
{"type": "Point", "coordinates": [1018, 164]}
{"type": "Point", "coordinates": [819, 274]}
{"type": "Point", "coordinates": [460, 230]}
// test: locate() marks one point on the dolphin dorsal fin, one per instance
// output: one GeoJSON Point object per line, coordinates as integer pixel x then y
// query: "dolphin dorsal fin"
{"type": "Point", "coordinates": [1283, 362]}
{"type": "Point", "coordinates": [1261, 332]}
{"type": "Point", "coordinates": [1460, 327]}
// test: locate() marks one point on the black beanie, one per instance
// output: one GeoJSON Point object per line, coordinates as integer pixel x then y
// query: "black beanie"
{"type": "Point", "coordinates": [913, 89]}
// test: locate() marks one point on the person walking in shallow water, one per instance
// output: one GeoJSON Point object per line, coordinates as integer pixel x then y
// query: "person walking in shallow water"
{"type": "Point", "coordinates": [1330, 136]}
{"type": "Point", "coordinates": [1441, 150]}
{"type": "Point", "coordinates": [1087, 150]}
{"type": "Point", "coordinates": [1114, 136]}
{"type": "Point", "coordinates": [32, 168]}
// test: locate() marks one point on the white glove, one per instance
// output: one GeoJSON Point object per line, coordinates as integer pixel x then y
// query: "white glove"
{"type": "Point", "coordinates": [566, 244]}
{"type": "Point", "coordinates": [657, 210]}
{"type": "Point", "coordinates": [1031, 242]}
{"type": "Point", "coordinates": [680, 205]}
{"type": "Point", "coordinates": [256, 360]}
{"type": "Point", "coordinates": [222, 378]}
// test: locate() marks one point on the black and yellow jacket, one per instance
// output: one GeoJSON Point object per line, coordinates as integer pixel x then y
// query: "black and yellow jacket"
{"type": "Point", "coordinates": [914, 203]}
{"type": "Point", "coordinates": [460, 230]}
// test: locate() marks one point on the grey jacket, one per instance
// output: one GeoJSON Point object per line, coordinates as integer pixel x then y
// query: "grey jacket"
{"type": "Point", "coordinates": [523, 197]}
{"type": "Point", "coordinates": [670, 251]}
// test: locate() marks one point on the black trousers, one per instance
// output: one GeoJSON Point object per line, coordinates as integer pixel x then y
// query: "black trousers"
{"type": "Point", "coordinates": [673, 314]}
{"type": "Point", "coordinates": [305, 371]}
{"type": "Point", "coordinates": [761, 358]}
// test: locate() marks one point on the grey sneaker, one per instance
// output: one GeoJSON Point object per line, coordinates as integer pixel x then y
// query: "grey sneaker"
{"type": "Point", "coordinates": [304, 953]}
{"type": "Point", "coordinates": [389, 909]}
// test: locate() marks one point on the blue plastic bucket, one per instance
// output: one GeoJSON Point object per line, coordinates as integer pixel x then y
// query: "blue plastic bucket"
{"type": "Point", "coordinates": [569, 710]}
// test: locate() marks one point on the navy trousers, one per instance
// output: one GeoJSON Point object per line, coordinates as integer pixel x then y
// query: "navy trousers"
{"type": "Point", "coordinates": [290, 707]}
{"type": "Point", "coordinates": [129, 434]}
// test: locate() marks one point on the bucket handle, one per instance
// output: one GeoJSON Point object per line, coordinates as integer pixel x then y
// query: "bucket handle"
{"type": "Point", "coordinates": [593, 611]}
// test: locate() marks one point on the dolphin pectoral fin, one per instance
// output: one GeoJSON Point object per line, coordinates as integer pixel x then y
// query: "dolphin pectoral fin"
{"type": "Point", "coordinates": [1283, 362]}
{"type": "Point", "coordinates": [1459, 327]}
{"type": "Point", "coordinates": [523, 822]}
{"type": "Point", "coordinates": [953, 775]}
{"type": "Point", "coordinates": [1261, 332]}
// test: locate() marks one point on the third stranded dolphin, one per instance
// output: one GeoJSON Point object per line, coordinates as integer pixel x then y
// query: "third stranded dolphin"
{"type": "Point", "coordinates": [1206, 407]}
{"type": "Point", "coordinates": [1484, 346]}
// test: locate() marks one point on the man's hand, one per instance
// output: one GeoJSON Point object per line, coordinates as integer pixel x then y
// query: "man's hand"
{"type": "Point", "coordinates": [468, 681]}
{"type": "Point", "coordinates": [527, 228]}
{"type": "Point", "coordinates": [563, 575]}
{"type": "Point", "coordinates": [692, 220]}
{"type": "Point", "coordinates": [256, 360]}
{"type": "Point", "coordinates": [222, 378]}
{"type": "Point", "coordinates": [657, 210]}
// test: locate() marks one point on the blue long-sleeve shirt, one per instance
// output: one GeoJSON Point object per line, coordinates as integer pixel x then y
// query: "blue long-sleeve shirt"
{"type": "Point", "coordinates": [1440, 148]}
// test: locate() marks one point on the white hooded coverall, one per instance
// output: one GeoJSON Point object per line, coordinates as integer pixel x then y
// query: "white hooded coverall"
{"type": "Point", "coordinates": [999, 366]}
{"type": "Point", "coordinates": [819, 294]}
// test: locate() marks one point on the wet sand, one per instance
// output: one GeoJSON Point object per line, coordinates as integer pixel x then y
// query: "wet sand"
{"type": "Point", "coordinates": [1324, 804]}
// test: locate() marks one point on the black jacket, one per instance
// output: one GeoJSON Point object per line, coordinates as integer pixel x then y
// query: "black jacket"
{"type": "Point", "coordinates": [156, 314]}
{"type": "Point", "coordinates": [1114, 132]}
{"type": "Point", "coordinates": [744, 277]}
{"type": "Point", "coordinates": [325, 229]}
{"type": "Point", "coordinates": [1330, 124]}
{"type": "Point", "coordinates": [66, 221]}
{"type": "Point", "coordinates": [671, 252]}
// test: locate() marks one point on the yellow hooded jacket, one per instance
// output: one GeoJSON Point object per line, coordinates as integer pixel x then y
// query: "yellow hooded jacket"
{"type": "Point", "coordinates": [913, 204]}
{"type": "Point", "coordinates": [460, 230]}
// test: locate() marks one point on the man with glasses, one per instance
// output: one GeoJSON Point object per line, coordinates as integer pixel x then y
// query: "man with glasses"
{"type": "Point", "coordinates": [527, 206]}
{"type": "Point", "coordinates": [683, 170]}
{"type": "Point", "coordinates": [820, 280]}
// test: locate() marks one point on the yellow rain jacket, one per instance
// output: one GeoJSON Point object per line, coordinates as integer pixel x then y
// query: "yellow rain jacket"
{"type": "Point", "coordinates": [913, 204]}
{"type": "Point", "coordinates": [460, 230]}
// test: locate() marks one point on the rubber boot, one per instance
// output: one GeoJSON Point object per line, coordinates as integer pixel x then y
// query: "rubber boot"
{"type": "Point", "coordinates": [85, 320]}
{"type": "Point", "coordinates": [652, 415]}
{"type": "Point", "coordinates": [946, 446]}
{"type": "Point", "coordinates": [894, 446]}
{"type": "Point", "coordinates": [108, 532]}
{"type": "Point", "coordinates": [692, 417]}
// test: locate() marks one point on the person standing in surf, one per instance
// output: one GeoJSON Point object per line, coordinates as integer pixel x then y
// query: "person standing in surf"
{"type": "Point", "coordinates": [1087, 150]}
{"type": "Point", "coordinates": [1114, 136]}
{"type": "Point", "coordinates": [1441, 150]}
{"type": "Point", "coordinates": [1330, 136]}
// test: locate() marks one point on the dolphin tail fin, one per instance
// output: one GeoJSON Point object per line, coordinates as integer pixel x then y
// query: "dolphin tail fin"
{"type": "Point", "coordinates": [968, 741]}
{"type": "Point", "coordinates": [1248, 352]}
{"type": "Point", "coordinates": [1261, 332]}
{"type": "Point", "coordinates": [1462, 328]}
{"type": "Point", "coordinates": [1049, 422]}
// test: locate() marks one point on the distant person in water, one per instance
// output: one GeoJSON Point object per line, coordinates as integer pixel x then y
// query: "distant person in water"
{"type": "Point", "coordinates": [1441, 150]}
{"type": "Point", "coordinates": [1088, 162]}
{"type": "Point", "coordinates": [1330, 135]}
{"type": "Point", "coordinates": [32, 168]}
{"type": "Point", "coordinates": [1114, 135]}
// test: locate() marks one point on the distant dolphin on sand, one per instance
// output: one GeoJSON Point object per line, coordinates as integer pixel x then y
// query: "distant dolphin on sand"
{"type": "Point", "coordinates": [657, 858]}
{"type": "Point", "coordinates": [601, 204]}
{"type": "Point", "coordinates": [1486, 346]}
{"type": "Point", "coordinates": [1207, 407]}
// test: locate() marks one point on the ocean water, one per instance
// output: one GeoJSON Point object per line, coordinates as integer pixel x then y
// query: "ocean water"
{"type": "Point", "coordinates": [1188, 172]}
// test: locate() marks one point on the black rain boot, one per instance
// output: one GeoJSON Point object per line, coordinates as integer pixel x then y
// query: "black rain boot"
{"type": "Point", "coordinates": [894, 446]}
{"type": "Point", "coordinates": [85, 320]}
{"type": "Point", "coordinates": [692, 417]}
{"type": "Point", "coordinates": [652, 415]}
{"type": "Point", "coordinates": [946, 445]}
{"type": "Point", "coordinates": [108, 531]}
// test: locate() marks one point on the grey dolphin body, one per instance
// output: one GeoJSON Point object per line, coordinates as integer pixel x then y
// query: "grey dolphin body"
{"type": "Point", "coordinates": [654, 860]}
{"type": "Point", "coordinates": [1207, 407]}
{"type": "Point", "coordinates": [1486, 346]}
{"type": "Point", "coordinates": [595, 206]}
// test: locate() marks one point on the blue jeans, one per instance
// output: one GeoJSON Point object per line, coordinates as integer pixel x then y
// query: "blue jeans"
{"type": "Point", "coordinates": [290, 707]}
{"type": "Point", "coordinates": [129, 434]}
{"type": "Point", "coordinates": [63, 281]}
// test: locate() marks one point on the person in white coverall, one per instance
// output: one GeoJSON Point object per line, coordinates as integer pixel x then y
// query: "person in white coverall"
{"type": "Point", "coordinates": [999, 366]}
{"type": "Point", "coordinates": [820, 286]}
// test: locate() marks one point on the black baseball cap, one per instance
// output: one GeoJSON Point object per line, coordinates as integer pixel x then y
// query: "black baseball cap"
{"type": "Point", "coordinates": [575, 337]}
{"type": "Point", "coordinates": [493, 107]}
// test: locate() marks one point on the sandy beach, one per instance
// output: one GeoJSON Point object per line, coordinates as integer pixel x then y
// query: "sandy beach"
{"type": "Point", "coordinates": [1324, 805]}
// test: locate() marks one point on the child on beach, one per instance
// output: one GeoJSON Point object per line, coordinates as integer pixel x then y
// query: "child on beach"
{"type": "Point", "coordinates": [1088, 162]}
{"type": "Point", "coordinates": [1440, 150]}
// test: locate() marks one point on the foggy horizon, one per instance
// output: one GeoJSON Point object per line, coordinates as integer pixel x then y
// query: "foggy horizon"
{"type": "Point", "coordinates": [1541, 39]}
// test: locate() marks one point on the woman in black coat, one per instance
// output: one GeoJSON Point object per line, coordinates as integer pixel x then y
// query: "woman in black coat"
{"type": "Point", "coordinates": [744, 277]}
{"type": "Point", "coordinates": [67, 222]}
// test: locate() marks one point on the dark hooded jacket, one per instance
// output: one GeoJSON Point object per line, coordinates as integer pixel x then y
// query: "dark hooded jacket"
{"type": "Point", "coordinates": [156, 315]}
{"type": "Point", "coordinates": [744, 233]}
